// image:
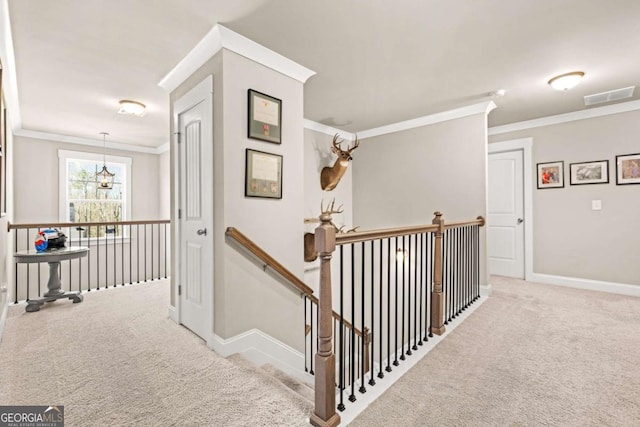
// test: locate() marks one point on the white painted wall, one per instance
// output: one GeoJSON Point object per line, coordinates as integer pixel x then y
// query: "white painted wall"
{"type": "Point", "coordinates": [402, 178]}
{"type": "Point", "coordinates": [164, 183]}
{"type": "Point", "coordinates": [570, 239]}
{"type": "Point", "coordinates": [36, 181]}
{"type": "Point", "coordinates": [245, 296]}
{"type": "Point", "coordinates": [275, 225]}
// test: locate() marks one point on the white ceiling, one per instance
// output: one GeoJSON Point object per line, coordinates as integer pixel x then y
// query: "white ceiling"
{"type": "Point", "coordinates": [377, 62]}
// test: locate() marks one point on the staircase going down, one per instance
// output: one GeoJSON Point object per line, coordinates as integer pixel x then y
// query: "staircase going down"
{"type": "Point", "coordinates": [301, 393]}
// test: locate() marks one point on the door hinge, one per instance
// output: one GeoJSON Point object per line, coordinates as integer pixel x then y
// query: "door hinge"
{"type": "Point", "coordinates": [179, 290]}
{"type": "Point", "coordinates": [177, 134]}
{"type": "Point", "coordinates": [179, 213]}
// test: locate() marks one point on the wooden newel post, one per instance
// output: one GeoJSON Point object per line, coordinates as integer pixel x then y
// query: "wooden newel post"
{"type": "Point", "coordinates": [437, 297]}
{"type": "Point", "coordinates": [324, 414]}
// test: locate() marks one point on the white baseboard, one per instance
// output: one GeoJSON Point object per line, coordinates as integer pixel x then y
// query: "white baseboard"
{"type": "Point", "coordinates": [592, 285]}
{"type": "Point", "coordinates": [3, 317]}
{"type": "Point", "coordinates": [173, 314]}
{"type": "Point", "coordinates": [261, 349]}
{"type": "Point", "coordinates": [486, 290]}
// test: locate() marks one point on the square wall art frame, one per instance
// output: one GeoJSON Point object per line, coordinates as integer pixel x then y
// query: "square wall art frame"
{"type": "Point", "coordinates": [550, 175]}
{"type": "Point", "coordinates": [263, 175]}
{"type": "Point", "coordinates": [628, 169]}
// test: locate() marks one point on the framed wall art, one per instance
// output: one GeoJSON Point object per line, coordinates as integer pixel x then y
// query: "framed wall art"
{"type": "Point", "coordinates": [596, 172]}
{"type": "Point", "coordinates": [263, 175]}
{"type": "Point", "coordinates": [264, 118]}
{"type": "Point", "coordinates": [628, 169]}
{"type": "Point", "coordinates": [551, 175]}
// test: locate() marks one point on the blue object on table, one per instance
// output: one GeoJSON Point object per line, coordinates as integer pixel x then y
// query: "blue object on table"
{"type": "Point", "coordinates": [41, 242]}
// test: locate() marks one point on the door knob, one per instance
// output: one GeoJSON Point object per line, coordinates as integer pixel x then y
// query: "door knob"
{"type": "Point", "coordinates": [520, 220]}
{"type": "Point", "coordinates": [202, 232]}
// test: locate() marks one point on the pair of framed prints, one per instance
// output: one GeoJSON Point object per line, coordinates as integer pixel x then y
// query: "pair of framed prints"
{"type": "Point", "coordinates": [263, 171]}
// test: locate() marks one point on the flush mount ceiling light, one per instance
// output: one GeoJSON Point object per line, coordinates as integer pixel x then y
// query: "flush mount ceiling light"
{"type": "Point", "coordinates": [566, 81]}
{"type": "Point", "coordinates": [133, 108]}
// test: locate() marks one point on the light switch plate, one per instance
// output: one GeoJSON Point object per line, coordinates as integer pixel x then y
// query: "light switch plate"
{"type": "Point", "coordinates": [596, 205]}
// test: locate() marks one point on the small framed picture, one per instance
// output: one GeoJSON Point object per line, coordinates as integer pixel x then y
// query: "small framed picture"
{"type": "Point", "coordinates": [264, 118]}
{"type": "Point", "coordinates": [551, 175]}
{"type": "Point", "coordinates": [596, 172]}
{"type": "Point", "coordinates": [263, 175]}
{"type": "Point", "coordinates": [628, 169]}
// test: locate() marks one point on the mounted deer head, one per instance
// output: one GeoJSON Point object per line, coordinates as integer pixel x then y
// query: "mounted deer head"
{"type": "Point", "coordinates": [310, 253]}
{"type": "Point", "coordinates": [330, 176]}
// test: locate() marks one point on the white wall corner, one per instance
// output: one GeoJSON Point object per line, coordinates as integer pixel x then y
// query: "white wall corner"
{"type": "Point", "coordinates": [221, 37]}
{"type": "Point", "coordinates": [486, 290]}
{"type": "Point", "coordinates": [262, 55]}
{"type": "Point", "coordinates": [4, 309]}
{"type": "Point", "coordinates": [210, 44]}
{"type": "Point", "coordinates": [9, 76]}
{"type": "Point", "coordinates": [490, 107]}
{"type": "Point", "coordinates": [480, 108]}
{"type": "Point", "coordinates": [173, 314]}
{"type": "Point", "coordinates": [261, 349]}
{"type": "Point", "coordinates": [328, 130]}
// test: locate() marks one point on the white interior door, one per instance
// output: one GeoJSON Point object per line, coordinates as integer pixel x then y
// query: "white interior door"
{"type": "Point", "coordinates": [196, 215]}
{"type": "Point", "coordinates": [505, 229]}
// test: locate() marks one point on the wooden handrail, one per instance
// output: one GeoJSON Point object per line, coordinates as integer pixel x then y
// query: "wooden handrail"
{"type": "Point", "coordinates": [456, 224]}
{"type": "Point", "coordinates": [337, 317]}
{"type": "Point", "coordinates": [257, 251]}
{"type": "Point", "coordinates": [276, 266]}
{"type": "Point", "coordinates": [363, 236]}
{"type": "Point", "coordinates": [83, 224]}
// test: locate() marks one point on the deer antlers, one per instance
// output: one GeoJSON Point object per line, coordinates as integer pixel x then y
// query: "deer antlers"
{"type": "Point", "coordinates": [330, 208]}
{"type": "Point", "coordinates": [337, 149]}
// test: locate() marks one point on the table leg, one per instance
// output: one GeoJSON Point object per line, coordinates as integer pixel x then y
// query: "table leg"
{"type": "Point", "coordinates": [54, 285]}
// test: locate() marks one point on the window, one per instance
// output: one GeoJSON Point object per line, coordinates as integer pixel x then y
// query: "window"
{"type": "Point", "coordinates": [80, 198]}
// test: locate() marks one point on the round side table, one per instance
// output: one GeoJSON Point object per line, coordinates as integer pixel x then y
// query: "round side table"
{"type": "Point", "coordinates": [53, 257]}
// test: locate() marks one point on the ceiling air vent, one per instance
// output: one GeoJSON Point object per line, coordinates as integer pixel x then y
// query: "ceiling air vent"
{"type": "Point", "coordinates": [612, 95]}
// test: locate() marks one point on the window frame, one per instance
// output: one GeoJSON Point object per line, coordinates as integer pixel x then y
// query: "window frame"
{"type": "Point", "coordinates": [63, 196]}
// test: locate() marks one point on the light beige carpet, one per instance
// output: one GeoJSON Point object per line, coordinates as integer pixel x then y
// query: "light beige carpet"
{"type": "Point", "coordinates": [532, 355]}
{"type": "Point", "coordinates": [116, 359]}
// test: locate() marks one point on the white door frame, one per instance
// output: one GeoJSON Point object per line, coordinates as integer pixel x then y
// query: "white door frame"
{"type": "Point", "coordinates": [203, 90]}
{"type": "Point", "coordinates": [524, 145]}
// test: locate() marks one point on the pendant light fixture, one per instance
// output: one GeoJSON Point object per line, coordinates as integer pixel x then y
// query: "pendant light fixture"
{"type": "Point", "coordinates": [104, 178]}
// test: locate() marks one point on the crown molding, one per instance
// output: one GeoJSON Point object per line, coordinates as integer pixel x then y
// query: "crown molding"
{"type": "Point", "coordinates": [470, 110]}
{"type": "Point", "coordinates": [25, 133]}
{"type": "Point", "coordinates": [9, 83]}
{"type": "Point", "coordinates": [591, 113]}
{"type": "Point", "coordinates": [328, 130]}
{"type": "Point", "coordinates": [221, 37]}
